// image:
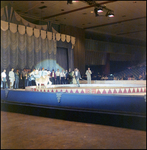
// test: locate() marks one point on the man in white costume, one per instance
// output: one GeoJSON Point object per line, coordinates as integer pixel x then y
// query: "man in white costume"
{"type": "Point", "coordinates": [62, 77]}
{"type": "Point", "coordinates": [44, 73]}
{"type": "Point", "coordinates": [88, 73]}
{"type": "Point", "coordinates": [3, 78]}
{"type": "Point", "coordinates": [11, 78]}
{"type": "Point", "coordinates": [38, 73]}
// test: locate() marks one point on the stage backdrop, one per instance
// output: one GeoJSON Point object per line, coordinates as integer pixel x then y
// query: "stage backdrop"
{"type": "Point", "coordinates": [27, 45]}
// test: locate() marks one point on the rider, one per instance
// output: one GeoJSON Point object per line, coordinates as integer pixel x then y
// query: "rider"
{"type": "Point", "coordinates": [44, 72]}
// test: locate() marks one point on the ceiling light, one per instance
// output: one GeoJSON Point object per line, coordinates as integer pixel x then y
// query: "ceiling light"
{"type": "Point", "coordinates": [110, 14]}
{"type": "Point", "coordinates": [100, 9]}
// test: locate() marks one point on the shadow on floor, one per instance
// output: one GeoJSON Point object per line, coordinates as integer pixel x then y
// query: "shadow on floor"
{"type": "Point", "coordinates": [109, 119]}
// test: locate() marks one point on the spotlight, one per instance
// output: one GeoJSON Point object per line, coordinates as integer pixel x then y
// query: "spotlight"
{"type": "Point", "coordinates": [95, 11]}
{"type": "Point", "coordinates": [100, 9]}
{"type": "Point", "coordinates": [69, 1]}
{"type": "Point", "coordinates": [110, 14]}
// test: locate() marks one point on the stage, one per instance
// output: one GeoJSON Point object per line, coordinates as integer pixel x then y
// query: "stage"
{"type": "Point", "coordinates": [105, 102]}
{"type": "Point", "coordinates": [131, 87]}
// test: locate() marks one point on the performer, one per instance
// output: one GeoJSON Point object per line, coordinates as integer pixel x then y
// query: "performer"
{"type": "Point", "coordinates": [88, 73]}
{"type": "Point", "coordinates": [53, 76]}
{"type": "Point", "coordinates": [66, 77]}
{"type": "Point", "coordinates": [28, 78]}
{"type": "Point", "coordinates": [70, 76]}
{"type": "Point", "coordinates": [57, 76]}
{"type": "Point", "coordinates": [37, 73]}
{"type": "Point", "coordinates": [17, 76]}
{"type": "Point", "coordinates": [3, 78]}
{"type": "Point", "coordinates": [11, 78]}
{"type": "Point", "coordinates": [77, 76]}
{"type": "Point", "coordinates": [40, 73]}
{"type": "Point", "coordinates": [73, 78]}
{"type": "Point", "coordinates": [49, 76]}
{"type": "Point", "coordinates": [62, 76]}
{"type": "Point", "coordinates": [24, 77]}
{"type": "Point", "coordinates": [48, 73]}
{"type": "Point", "coordinates": [44, 72]}
{"type": "Point", "coordinates": [32, 76]}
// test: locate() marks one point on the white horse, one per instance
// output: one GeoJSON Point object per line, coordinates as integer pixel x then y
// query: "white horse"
{"type": "Point", "coordinates": [41, 79]}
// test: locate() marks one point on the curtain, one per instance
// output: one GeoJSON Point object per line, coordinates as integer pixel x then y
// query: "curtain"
{"type": "Point", "coordinates": [5, 49]}
{"type": "Point", "coordinates": [62, 58]}
{"type": "Point", "coordinates": [70, 54]}
{"type": "Point", "coordinates": [21, 50]}
{"type": "Point", "coordinates": [27, 47]}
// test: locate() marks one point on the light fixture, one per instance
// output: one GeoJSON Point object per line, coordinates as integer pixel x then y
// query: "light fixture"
{"type": "Point", "coordinates": [100, 9]}
{"type": "Point", "coordinates": [95, 11]}
{"type": "Point", "coordinates": [110, 14]}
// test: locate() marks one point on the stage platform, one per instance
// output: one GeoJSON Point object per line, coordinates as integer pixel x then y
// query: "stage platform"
{"type": "Point", "coordinates": [117, 103]}
{"type": "Point", "coordinates": [97, 87]}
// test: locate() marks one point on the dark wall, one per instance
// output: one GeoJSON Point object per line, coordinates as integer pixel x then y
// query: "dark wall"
{"type": "Point", "coordinates": [123, 51]}
{"type": "Point", "coordinates": [95, 69]}
{"type": "Point", "coordinates": [110, 38]}
{"type": "Point", "coordinates": [117, 66]}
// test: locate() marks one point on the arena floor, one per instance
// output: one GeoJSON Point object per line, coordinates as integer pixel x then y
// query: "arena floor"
{"type": "Point", "coordinates": [23, 131]}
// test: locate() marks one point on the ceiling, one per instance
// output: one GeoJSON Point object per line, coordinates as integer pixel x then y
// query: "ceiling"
{"type": "Point", "coordinates": [129, 20]}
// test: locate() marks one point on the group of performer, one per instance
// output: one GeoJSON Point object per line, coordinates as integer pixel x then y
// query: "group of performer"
{"type": "Point", "coordinates": [28, 77]}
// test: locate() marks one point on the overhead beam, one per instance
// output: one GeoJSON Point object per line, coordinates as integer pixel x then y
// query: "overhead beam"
{"type": "Point", "coordinates": [97, 4]}
{"type": "Point", "coordinates": [113, 23]}
{"type": "Point", "coordinates": [130, 32]}
{"type": "Point", "coordinates": [32, 7]}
